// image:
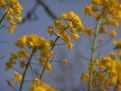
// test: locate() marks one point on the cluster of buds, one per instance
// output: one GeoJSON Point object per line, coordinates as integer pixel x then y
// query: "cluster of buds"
{"type": "Point", "coordinates": [38, 86]}
{"type": "Point", "coordinates": [67, 25]}
{"type": "Point", "coordinates": [12, 12]}
{"type": "Point", "coordinates": [33, 42]}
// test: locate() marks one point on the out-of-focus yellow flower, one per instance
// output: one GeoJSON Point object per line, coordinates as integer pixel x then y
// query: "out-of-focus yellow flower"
{"type": "Point", "coordinates": [42, 87]}
{"type": "Point", "coordinates": [19, 19]}
{"type": "Point", "coordinates": [88, 10]}
{"type": "Point", "coordinates": [103, 30]}
{"type": "Point", "coordinates": [10, 63]}
{"type": "Point", "coordinates": [75, 36]}
{"type": "Point", "coordinates": [22, 64]}
{"type": "Point", "coordinates": [70, 45]}
{"type": "Point", "coordinates": [23, 54]}
{"type": "Point", "coordinates": [64, 16]}
{"type": "Point", "coordinates": [65, 61]}
{"type": "Point", "coordinates": [97, 2]}
{"type": "Point", "coordinates": [50, 30]}
{"type": "Point", "coordinates": [89, 31]}
{"type": "Point", "coordinates": [84, 77]}
{"type": "Point", "coordinates": [36, 81]}
{"type": "Point", "coordinates": [112, 34]}
{"type": "Point", "coordinates": [12, 27]}
{"type": "Point", "coordinates": [17, 76]}
{"type": "Point", "coordinates": [13, 55]}
{"type": "Point", "coordinates": [48, 67]}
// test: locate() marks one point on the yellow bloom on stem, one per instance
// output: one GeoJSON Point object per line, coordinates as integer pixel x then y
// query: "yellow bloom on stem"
{"type": "Point", "coordinates": [21, 42]}
{"type": "Point", "coordinates": [23, 53]}
{"type": "Point", "coordinates": [75, 36]}
{"type": "Point", "coordinates": [70, 45]}
{"type": "Point", "coordinates": [48, 67]}
{"type": "Point", "coordinates": [84, 77]}
{"type": "Point", "coordinates": [10, 18]}
{"type": "Point", "coordinates": [88, 10]}
{"type": "Point", "coordinates": [50, 30]}
{"type": "Point", "coordinates": [13, 55]}
{"type": "Point", "coordinates": [19, 19]}
{"type": "Point", "coordinates": [17, 76]}
{"type": "Point", "coordinates": [10, 63]}
{"type": "Point", "coordinates": [103, 30]}
{"type": "Point", "coordinates": [64, 16]}
{"type": "Point", "coordinates": [112, 34]}
{"type": "Point", "coordinates": [36, 81]}
{"type": "Point", "coordinates": [12, 27]}
{"type": "Point", "coordinates": [97, 2]}
{"type": "Point", "coordinates": [89, 31]}
{"type": "Point", "coordinates": [9, 11]}
{"type": "Point", "coordinates": [2, 3]}
{"type": "Point", "coordinates": [22, 64]}
{"type": "Point", "coordinates": [65, 61]}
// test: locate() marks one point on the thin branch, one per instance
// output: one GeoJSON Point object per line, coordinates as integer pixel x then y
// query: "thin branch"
{"type": "Point", "coordinates": [47, 9]}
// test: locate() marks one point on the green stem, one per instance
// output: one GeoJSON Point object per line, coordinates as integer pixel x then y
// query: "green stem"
{"type": "Point", "coordinates": [93, 56]}
{"type": "Point", "coordinates": [25, 70]}
{"type": "Point", "coordinates": [43, 70]}
{"type": "Point", "coordinates": [2, 18]}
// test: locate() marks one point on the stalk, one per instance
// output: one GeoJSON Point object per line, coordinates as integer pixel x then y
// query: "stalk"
{"type": "Point", "coordinates": [25, 70]}
{"type": "Point", "coordinates": [93, 55]}
{"type": "Point", "coordinates": [43, 70]}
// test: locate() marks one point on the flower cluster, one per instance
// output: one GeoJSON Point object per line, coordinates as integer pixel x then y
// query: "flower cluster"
{"type": "Point", "coordinates": [38, 86]}
{"type": "Point", "coordinates": [13, 11]}
{"type": "Point", "coordinates": [67, 25]}
{"type": "Point", "coordinates": [105, 71]}
{"type": "Point", "coordinates": [110, 10]}
{"type": "Point", "coordinates": [33, 42]}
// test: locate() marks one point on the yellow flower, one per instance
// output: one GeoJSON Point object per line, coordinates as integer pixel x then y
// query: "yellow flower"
{"type": "Point", "coordinates": [65, 61]}
{"type": "Point", "coordinates": [22, 64]}
{"type": "Point", "coordinates": [64, 16]}
{"type": "Point", "coordinates": [50, 30]}
{"type": "Point", "coordinates": [70, 45]}
{"type": "Point", "coordinates": [84, 77]}
{"type": "Point", "coordinates": [12, 27]}
{"type": "Point", "coordinates": [13, 55]}
{"type": "Point", "coordinates": [2, 3]}
{"type": "Point", "coordinates": [70, 24]}
{"type": "Point", "coordinates": [10, 18]}
{"type": "Point", "coordinates": [21, 42]}
{"type": "Point", "coordinates": [97, 2]}
{"type": "Point", "coordinates": [88, 10]}
{"type": "Point", "coordinates": [10, 63]}
{"type": "Point", "coordinates": [48, 67]}
{"type": "Point", "coordinates": [23, 53]}
{"type": "Point", "coordinates": [75, 36]}
{"type": "Point", "coordinates": [103, 30]}
{"type": "Point", "coordinates": [89, 31]}
{"type": "Point", "coordinates": [112, 34]}
{"type": "Point", "coordinates": [9, 11]}
{"type": "Point", "coordinates": [36, 81]}
{"type": "Point", "coordinates": [19, 19]}
{"type": "Point", "coordinates": [17, 76]}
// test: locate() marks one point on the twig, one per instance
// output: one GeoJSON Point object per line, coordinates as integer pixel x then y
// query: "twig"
{"type": "Point", "coordinates": [47, 9]}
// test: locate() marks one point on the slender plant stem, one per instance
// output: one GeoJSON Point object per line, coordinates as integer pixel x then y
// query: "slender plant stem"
{"type": "Point", "coordinates": [93, 56]}
{"type": "Point", "coordinates": [3, 18]}
{"type": "Point", "coordinates": [43, 70]}
{"type": "Point", "coordinates": [25, 70]}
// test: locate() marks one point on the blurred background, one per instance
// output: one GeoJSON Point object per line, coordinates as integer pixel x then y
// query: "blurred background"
{"type": "Point", "coordinates": [38, 14]}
